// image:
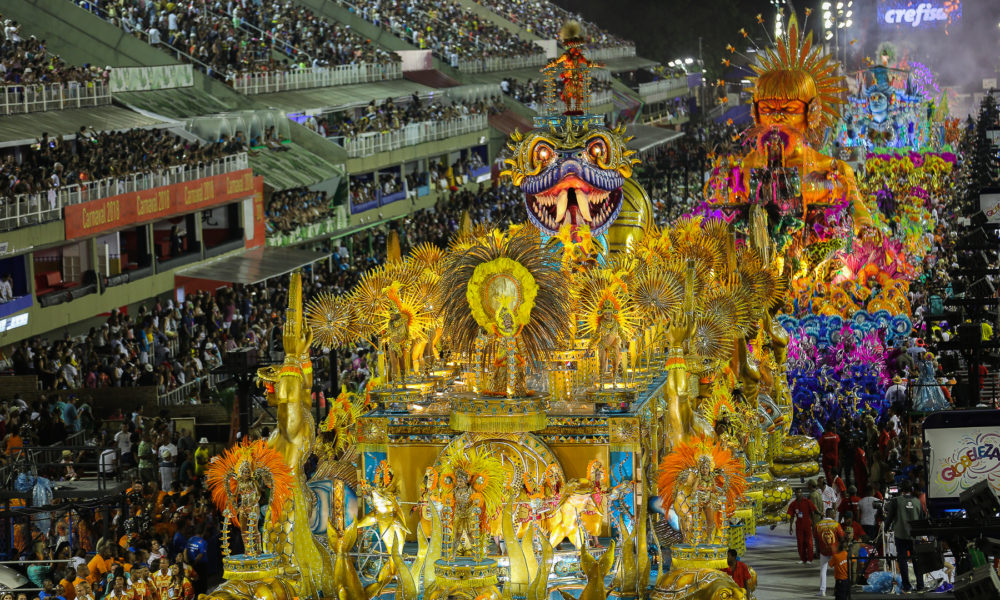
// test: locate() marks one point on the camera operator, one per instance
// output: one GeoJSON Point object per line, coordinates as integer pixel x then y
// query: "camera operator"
{"type": "Point", "coordinates": [899, 513]}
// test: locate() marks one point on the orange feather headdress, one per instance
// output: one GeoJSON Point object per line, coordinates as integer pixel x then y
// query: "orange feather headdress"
{"type": "Point", "coordinates": [727, 470]}
{"type": "Point", "coordinates": [222, 473]}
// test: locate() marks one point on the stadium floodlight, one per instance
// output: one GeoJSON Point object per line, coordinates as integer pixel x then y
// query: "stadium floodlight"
{"type": "Point", "coordinates": [688, 61]}
{"type": "Point", "coordinates": [827, 15]}
{"type": "Point", "coordinates": [849, 23]}
{"type": "Point", "coordinates": [849, 13]}
{"type": "Point", "coordinates": [840, 5]}
{"type": "Point", "coordinates": [828, 36]}
{"type": "Point", "coordinates": [825, 6]}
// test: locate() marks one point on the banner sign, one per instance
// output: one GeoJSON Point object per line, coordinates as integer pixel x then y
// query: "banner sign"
{"type": "Point", "coordinates": [115, 212]}
{"type": "Point", "coordinates": [915, 14]}
{"type": "Point", "coordinates": [140, 79]}
{"type": "Point", "coordinates": [962, 457]}
{"type": "Point", "coordinates": [990, 205]}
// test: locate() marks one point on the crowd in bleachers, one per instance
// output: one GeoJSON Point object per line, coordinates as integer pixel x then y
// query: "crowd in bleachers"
{"type": "Point", "coordinates": [289, 209]}
{"type": "Point", "coordinates": [392, 116]}
{"type": "Point", "coordinates": [54, 161]}
{"type": "Point", "coordinates": [531, 92]}
{"type": "Point", "coordinates": [546, 19]}
{"type": "Point", "coordinates": [451, 31]}
{"type": "Point", "coordinates": [25, 60]}
{"type": "Point", "coordinates": [240, 37]}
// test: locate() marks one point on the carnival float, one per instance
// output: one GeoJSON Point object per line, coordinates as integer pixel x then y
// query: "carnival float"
{"type": "Point", "coordinates": [585, 406]}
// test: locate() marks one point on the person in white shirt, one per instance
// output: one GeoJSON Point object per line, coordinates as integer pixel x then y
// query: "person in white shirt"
{"type": "Point", "coordinates": [168, 455]}
{"type": "Point", "coordinates": [6, 289]}
{"type": "Point", "coordinates": [896, 392]}
{"type": "Point", "coordinates": [830, 496]}
{"type": "Point", "coordinates": [867, 517]}
{"type": "Point", "coordinates": [108, 461]}
{"type": "Point", "coordinates": [124, 440]}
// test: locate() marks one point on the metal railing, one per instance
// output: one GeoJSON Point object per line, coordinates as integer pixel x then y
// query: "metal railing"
{"type": "Point", "coordinates": [367, 144]}
{"type": "Point", "coordinates": [267, 82]}
{"type": "Point", "coordinates": [180, 394]}
{"type": "Point", "coordinates": [654, 91]}
{"type": "Point", "coordinates": [488, 64]}
{"type": "Point", "coordinates": [39, 97]}
{"type": "Point", "coordinates": [39, 207]}
{"type": "Point", "coordinates": [610, 53]}
{"type": "Point", "coordinates": [601, 97]}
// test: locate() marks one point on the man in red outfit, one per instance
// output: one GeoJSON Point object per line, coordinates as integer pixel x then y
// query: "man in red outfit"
{"type": "Point", "coordinates": [737, 569]}
{"type": "Point", "coordinates": [860, 468]}
{"type": "Point", "coordinates": [850, 502]}
{"type": "Point", "coordinates": [829, 445]}
{"type": "Point", "coordinates": [801, 512]}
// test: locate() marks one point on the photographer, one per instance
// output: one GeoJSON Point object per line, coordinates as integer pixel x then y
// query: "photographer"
{"type": "Point", "coordinates": [899, 513]}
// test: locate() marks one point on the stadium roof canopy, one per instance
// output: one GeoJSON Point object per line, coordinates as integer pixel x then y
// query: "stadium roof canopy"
{"type": "Point", "coordinates": [17, 130]}
{"type": "Point", "coordinates": [650, 136]}
{"type": "Point", "coordinates": [255, 265]}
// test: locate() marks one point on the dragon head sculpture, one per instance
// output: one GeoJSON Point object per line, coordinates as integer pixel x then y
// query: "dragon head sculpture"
{"type": "Point", "coordinates": [572, 172]}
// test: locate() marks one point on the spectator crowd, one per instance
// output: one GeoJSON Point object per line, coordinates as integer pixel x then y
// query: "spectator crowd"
{"type": "Point", "coordinates": [161, 540]}
{"type": "Point", "coordinates": [54, 161]}
{"type": "Point", "coordinates": [546, 19]}
{"type": "Point", "coordinates": [232, 38]}
{"type": "Point", "coordinates": [25, 60]}
{"type": "Point", "coordinates": [452, 32]}
{"type": "Point", "coordinates": [391, 116]}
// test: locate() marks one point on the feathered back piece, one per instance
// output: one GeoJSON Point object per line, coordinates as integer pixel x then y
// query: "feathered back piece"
{"type": "Point", "coordinates": [548, 325]}
{"type": "Point", "coordinates": [727, 470]}
{"type": "Point", "coordinates": [487, 476]}
{"type": "Point", "coordinates": [598, 287]}
{"type": "Point", "coordinates": [267, 467]}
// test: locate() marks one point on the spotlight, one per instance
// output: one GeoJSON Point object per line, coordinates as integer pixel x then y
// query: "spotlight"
{"type": "Point", "coordinates": [980, 501]}
{"type": "Point", "coordinates": [980, 583]}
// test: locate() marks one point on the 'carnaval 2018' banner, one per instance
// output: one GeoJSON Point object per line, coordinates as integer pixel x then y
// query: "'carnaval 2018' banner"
{"type": "Point", "coordinates": [962, 457]}
{"type": "Point", "coordinates": [115, 212]}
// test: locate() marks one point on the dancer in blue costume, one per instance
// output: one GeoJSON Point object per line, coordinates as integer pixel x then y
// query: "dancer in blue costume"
{"type": "Point", "coordinates": [929, 396]}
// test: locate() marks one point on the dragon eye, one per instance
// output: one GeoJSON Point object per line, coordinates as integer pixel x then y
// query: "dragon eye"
{"type": "Point", "coordinates": [598, 150]}
{"type": "Point", "coordinates": [543, 154]}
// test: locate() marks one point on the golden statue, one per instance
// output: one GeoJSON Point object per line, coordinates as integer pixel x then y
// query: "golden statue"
{"type": "Point", "coordinates": [796, 96]}
{"type": "Point", "coordinates": [289, 388]}
{"type": "Point", "coordinates": [388, 516]}
{"type": "Point", "coordinates": [471, 486]}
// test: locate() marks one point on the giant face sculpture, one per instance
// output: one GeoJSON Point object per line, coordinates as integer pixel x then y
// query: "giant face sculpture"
{"type": "Point", "coordinates": [571, 174]}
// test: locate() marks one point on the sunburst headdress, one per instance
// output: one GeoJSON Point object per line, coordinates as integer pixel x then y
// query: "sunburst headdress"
{"type": "Point", "coordinates": [726, 470]}
{"type": "Point", "coordinates": [795, 69]}
{"type": "Point", "coordinates": [266, 467]}
{"type": "Point", "coordinates": [487, 478]}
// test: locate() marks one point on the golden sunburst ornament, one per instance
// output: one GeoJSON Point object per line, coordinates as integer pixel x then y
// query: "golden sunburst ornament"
{"type": "Point", "coordinates": [333, 320]}
{"type": "Point", "coordinates": [795, 69]}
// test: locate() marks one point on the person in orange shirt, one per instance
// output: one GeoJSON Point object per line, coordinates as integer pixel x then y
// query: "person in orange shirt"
{"type": "Point", "coordinates": [841, 586]}
{"type": "Point", "coordinates": [67, 588]}
{"type": "Point", "coordinates": [829, 534]}
{"type": "Point", "coordinates": [13, 443]}
{"type": "Point", "coordinates": [100, 565]}
{"type": "Point", "coordinates": [737, 569]}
